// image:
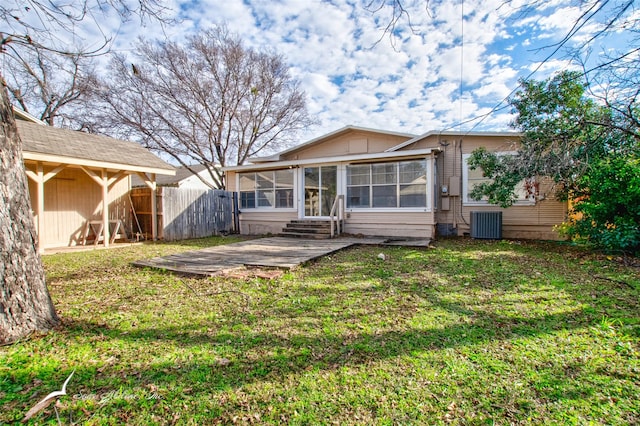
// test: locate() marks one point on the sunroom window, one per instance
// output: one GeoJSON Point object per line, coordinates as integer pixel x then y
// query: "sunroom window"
{"type": "Point", "coordinates": [359, 186]}
{"type": "Point", "coordinates": [413, 184]}
{"type": "Point", "coordinates": [384, 185]}
{"type": "Point", "coordinates": [266, 189]}
{"type": "Point", "coordinates": [400, 184]}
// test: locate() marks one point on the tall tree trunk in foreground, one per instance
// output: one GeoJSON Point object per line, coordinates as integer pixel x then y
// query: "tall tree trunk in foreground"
{"type": "Point", "coordinates": [25, 304]}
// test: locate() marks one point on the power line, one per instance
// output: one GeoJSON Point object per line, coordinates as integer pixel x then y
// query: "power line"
{"type": "Point", "coordinates": [584, 18]}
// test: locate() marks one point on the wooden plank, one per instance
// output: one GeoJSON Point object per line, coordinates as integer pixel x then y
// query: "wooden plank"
{"type": "Point", "coordinates": [275, 252]}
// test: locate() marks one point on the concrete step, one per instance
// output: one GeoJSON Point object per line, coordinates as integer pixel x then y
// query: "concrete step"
{"type": "Point", "coordinates": [307, 230]}
{"type": "Point", "coordinates": [310, 222]}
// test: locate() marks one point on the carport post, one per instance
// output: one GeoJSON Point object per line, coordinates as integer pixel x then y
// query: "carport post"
{"type": "Point", "coordinates": [154, 207]}
{"type": "Point", "coordinates": [40, 178]}
{"type": "Point", "coordinates": [105, 207]}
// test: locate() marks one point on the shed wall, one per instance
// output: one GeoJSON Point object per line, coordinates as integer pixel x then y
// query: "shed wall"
{"type": "Point", "coordinates": [70, 199]}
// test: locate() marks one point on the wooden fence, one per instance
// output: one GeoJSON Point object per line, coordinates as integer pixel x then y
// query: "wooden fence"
{"type": "Point", "coordinates": [185, 213]}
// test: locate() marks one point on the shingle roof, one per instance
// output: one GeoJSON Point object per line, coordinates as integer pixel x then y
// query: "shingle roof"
{"type": "Point", "coordinates": [49, 140]}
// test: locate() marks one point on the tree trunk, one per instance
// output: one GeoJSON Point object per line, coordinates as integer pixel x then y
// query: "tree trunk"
{"type": "Point", "coordinates": [25, 304]}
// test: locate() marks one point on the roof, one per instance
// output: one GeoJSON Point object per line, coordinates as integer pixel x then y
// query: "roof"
{"type": "Point", "coordinates": [450, 133]}
{"type": "Point", "coordinates": [25, 116]}
{"type": "Point", "coordinates": [182, 173]}
{"type": "Point", "coordinates": [46, 143]}
{"type": "Point", "coordinates": [323, 138]}
{"type": "Point", "coordinates": [353, 158]}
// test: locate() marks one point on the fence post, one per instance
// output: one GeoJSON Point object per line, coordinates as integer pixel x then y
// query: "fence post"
{"type": "Point", "coordinates": [236, 214]}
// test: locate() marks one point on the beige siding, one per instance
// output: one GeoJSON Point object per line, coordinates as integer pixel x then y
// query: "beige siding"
{"type": "Point", "coordinates": [70, 199]}
{"type": "Point", "coordinates": [354, 142]}
{"type": "Point", "coordinates": [526, 221]}
{"type": "Point", "coordinates": [535, 222]}
{"type": "Point", "coordinates": [230, 180]}
{"type": "Point", "coordinates": [401, 224]}
{"type": "Point", "coordinates": [259, 223]}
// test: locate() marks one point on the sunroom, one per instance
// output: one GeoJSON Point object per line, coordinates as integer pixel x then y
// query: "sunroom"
{"type": "Point", "coordinates": [382, 194]}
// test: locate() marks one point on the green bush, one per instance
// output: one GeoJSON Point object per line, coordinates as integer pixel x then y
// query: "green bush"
{"type": "Point", "coordinates": [607, 210]}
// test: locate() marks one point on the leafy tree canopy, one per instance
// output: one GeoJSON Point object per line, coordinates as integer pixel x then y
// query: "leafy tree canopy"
{"type": "Point", "coordinates": [564, 132]}
{"type": "Point", "coordinates": [607, 214]}
{"type": "Point", "coordinates": [589, 150]}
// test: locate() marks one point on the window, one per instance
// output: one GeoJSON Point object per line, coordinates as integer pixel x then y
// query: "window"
{"type": "Point", "coordinates": [471, 178]}
{"type": "Point", "coordinates": [358, 186]}
{"type": "Point", "coordinates": [387, 185]}
{"type": "Point", "coordinates": [268, 189]}
{"type": "Point", "coordinates": [413, 184]}
{"type": "Point", "coordinates": [384, 188]}
{"type": "Point", "coordinates": [247, 190]}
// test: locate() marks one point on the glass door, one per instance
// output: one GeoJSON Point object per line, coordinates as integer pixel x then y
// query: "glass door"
{"type": "Point", "coordinates": [320, 189]}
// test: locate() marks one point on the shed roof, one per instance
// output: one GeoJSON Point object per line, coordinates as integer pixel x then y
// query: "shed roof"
{"type": "Point", "coordinates": [46, 143]}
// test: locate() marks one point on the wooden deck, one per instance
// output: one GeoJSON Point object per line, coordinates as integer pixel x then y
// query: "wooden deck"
{"type": "Point", "coordinates": [274, 252]}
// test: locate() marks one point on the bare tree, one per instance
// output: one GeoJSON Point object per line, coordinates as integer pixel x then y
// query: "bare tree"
{"type": "Point", "coordinates": [211, 101]}
{"type": "Point", "coordinates": [25, 304]}
{"type": "Point", "coordinates": [48, 84]}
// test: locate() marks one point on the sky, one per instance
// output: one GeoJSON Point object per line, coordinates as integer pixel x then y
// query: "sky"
{"type": "Point", "coordinates": [453, 68]}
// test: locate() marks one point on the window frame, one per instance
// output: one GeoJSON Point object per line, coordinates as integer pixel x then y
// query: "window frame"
{"type": "Point", "coordinates": [530, 200]}
{"type": "Point", "coordinates": [274, 189]}
{"type": "Point", "coordinates": [398, 185]}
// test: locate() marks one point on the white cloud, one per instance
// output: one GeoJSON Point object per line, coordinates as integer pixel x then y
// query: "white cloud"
{"type": "Point", "coordinates": [353, 74]}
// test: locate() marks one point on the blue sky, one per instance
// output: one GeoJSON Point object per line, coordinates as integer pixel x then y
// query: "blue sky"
{"type": "Point", "coordinates": [458, 62]}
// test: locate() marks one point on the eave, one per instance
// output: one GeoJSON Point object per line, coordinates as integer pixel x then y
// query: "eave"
{"type": "Point", "coordinates": [452, 134]}
{"type": "Point", "coordinates": [72, 161]}
{"type": "Point", "coordinates": [320, 139]}
{"type": "Point", "coordinates": [354, 158]}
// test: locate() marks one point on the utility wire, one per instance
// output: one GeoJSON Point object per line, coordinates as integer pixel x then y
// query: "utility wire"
{"type": "Point", "coordinates": [578, 25]}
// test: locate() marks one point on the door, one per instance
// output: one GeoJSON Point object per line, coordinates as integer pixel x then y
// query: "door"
{"type": "Point", "coordinates": [320, 189]}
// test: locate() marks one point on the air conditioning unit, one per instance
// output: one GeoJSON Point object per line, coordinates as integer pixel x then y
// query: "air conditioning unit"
{"type": "Point", "coordinates": [486, 225]}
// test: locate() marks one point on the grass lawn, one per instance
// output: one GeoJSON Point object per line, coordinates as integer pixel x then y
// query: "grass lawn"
{"type": "Point", "coordinates": [466, 332]}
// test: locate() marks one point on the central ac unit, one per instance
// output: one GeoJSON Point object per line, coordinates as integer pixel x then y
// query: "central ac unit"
{"type": "Point", "coordinates": [486, 225]}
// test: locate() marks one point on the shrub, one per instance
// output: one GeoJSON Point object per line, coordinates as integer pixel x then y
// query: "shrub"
{"type": "Point", "coordinates": [607, 213]}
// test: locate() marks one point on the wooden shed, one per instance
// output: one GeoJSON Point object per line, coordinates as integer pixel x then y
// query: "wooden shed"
{"type": "Point", "coordinates": [79, 183]}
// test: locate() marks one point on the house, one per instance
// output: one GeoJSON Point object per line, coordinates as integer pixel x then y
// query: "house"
{"type": "Point", "coordinates": [382, 183]}
{"type": "Point", "coordinates": [184, 178]}
{"type": "Point", "coordinates": [79, 183]}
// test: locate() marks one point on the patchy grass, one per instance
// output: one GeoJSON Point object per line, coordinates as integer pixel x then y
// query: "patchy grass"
{"type": "Point", "coordinates": [467, 332]}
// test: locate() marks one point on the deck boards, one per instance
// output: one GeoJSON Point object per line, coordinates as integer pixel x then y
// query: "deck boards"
{"type": "Point", "coordinates": [273, 252]}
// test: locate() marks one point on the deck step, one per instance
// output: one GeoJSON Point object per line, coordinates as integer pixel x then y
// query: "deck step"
{"type": "Point", "coordinates": [316, 229]}
{"type": "Point", "coordinates": [306, 235]}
